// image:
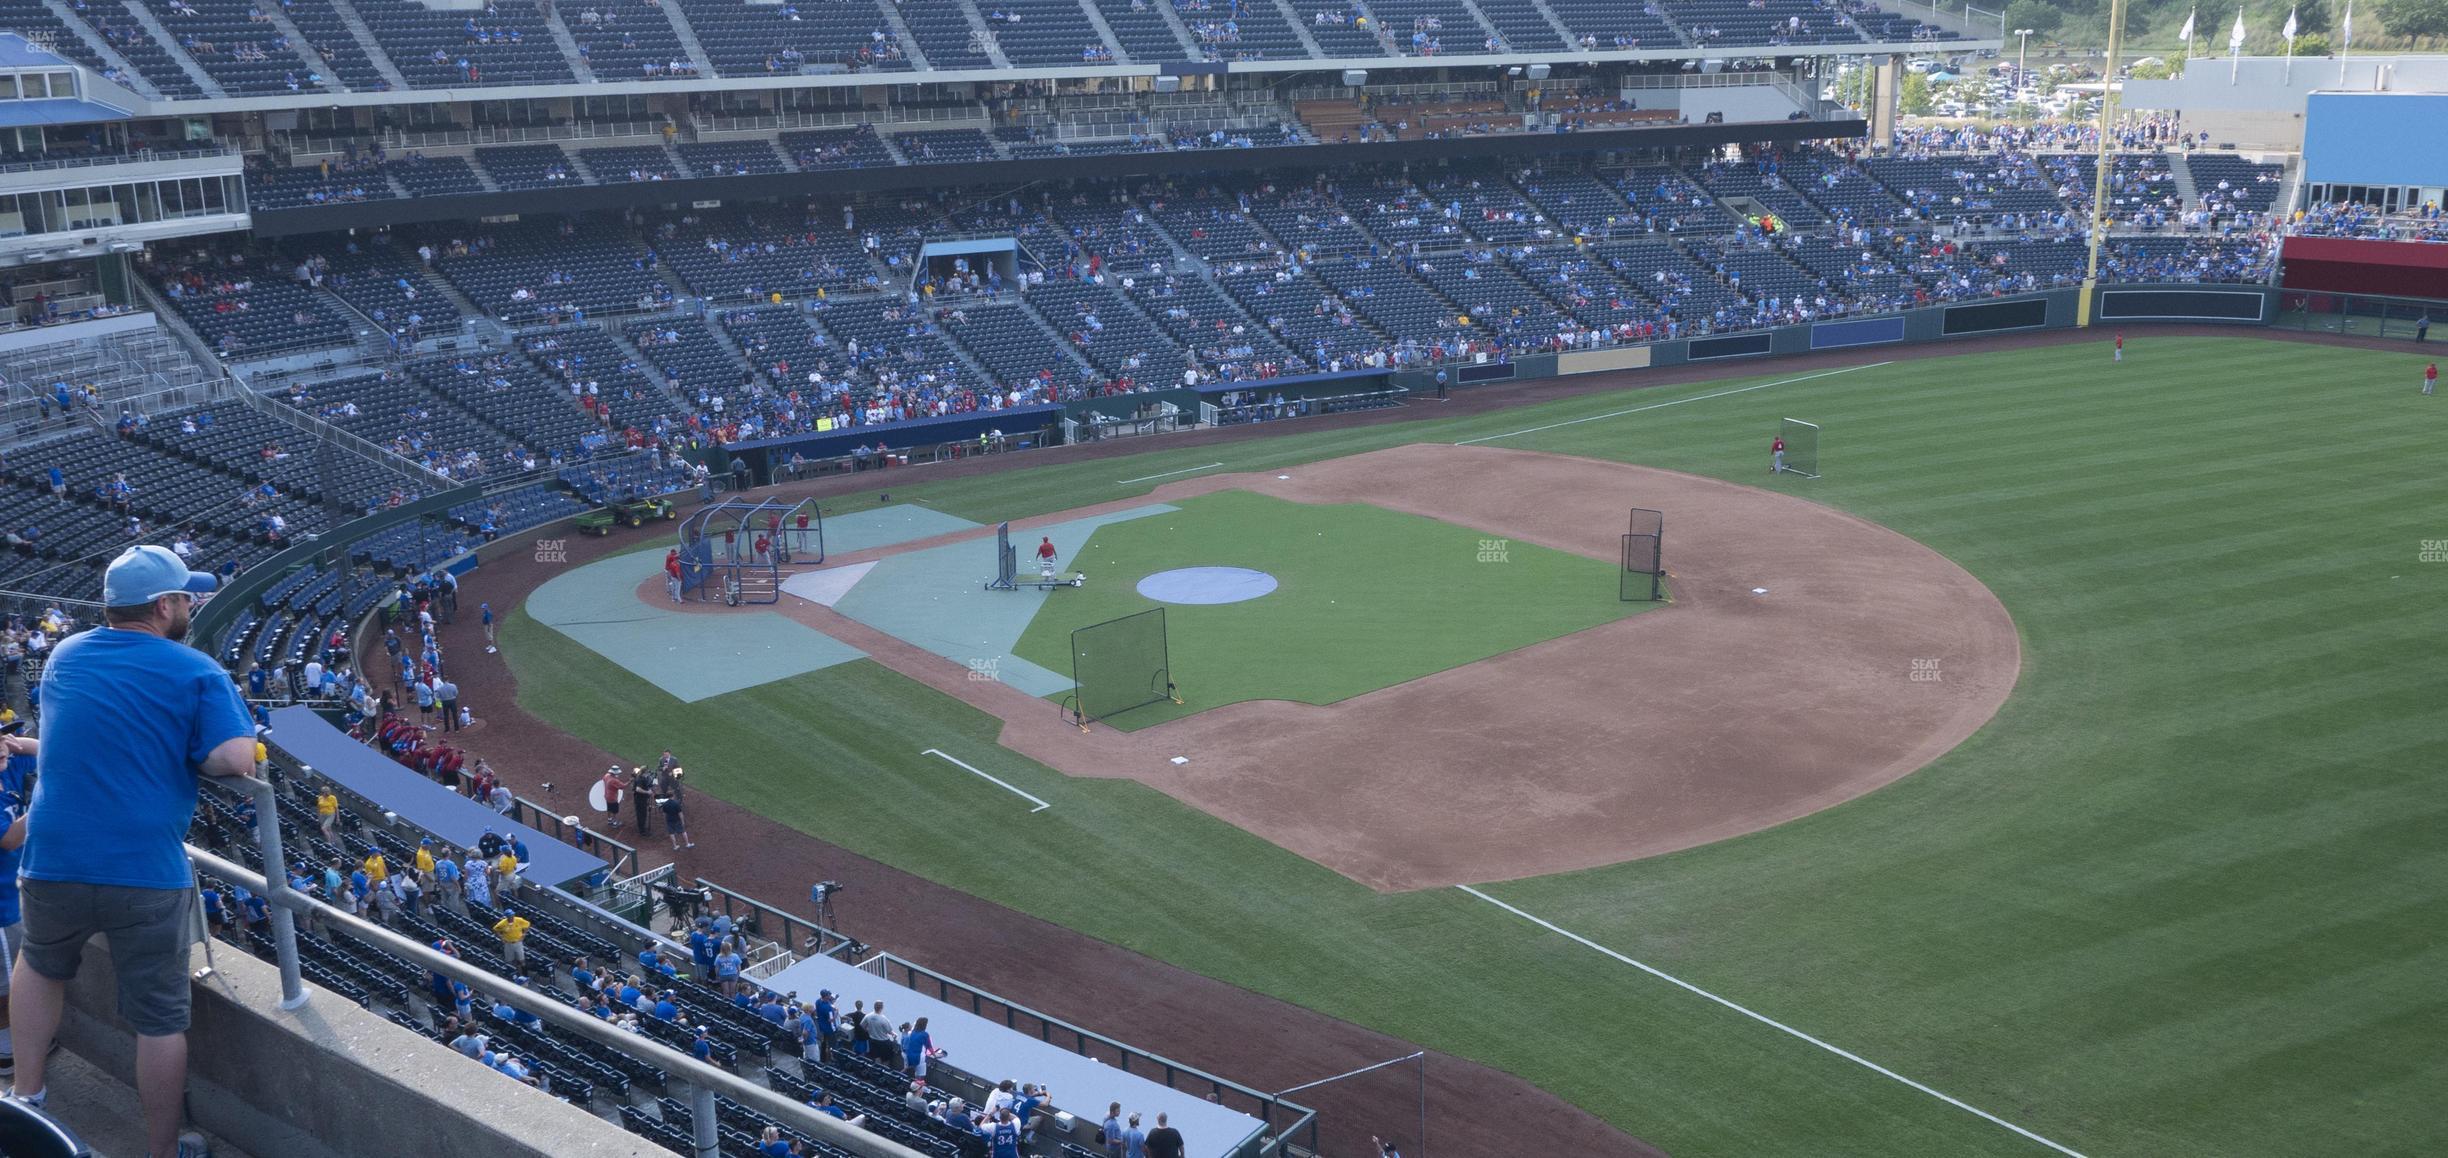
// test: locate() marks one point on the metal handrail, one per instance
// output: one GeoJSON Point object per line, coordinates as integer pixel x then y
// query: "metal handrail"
{"type": "Point", "coordinates": [705, 1080]}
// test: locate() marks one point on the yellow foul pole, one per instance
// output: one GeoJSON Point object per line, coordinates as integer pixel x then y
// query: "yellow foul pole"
{"type": "Point", "coordinates": [2107, 159]}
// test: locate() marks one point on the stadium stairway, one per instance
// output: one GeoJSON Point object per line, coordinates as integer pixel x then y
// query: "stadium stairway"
{"type": "Point", "coordinates": [2187, 194]}
{"type": "Point", "coordinates": [381, 60]}
{"type": "Point", "coordinates": [298, 47]}
{"type": "Point", "coordinates": [901, 33]}
{"type": "Point", "coordinates": [688, 42]}
{"type": "Point", "coordinates": [983, 35]}
{"type": "Point", "coordinates": [1105, 32]}
{"type": "Point", "coordinates": [195, 72]}
{"type": "Point", "coordinates": [1487, 27]}
{"type": "Point", "coordinates": [578, 62]}
{"type": "Point", "coordinates": [1181, 31]}
{"type": "Point", "coordinates": [100, 46]}
{"type": "Point", "coordinates": [1300, 26]}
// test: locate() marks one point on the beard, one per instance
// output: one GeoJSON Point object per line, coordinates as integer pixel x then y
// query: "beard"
{"type": "Point", "coordinates": [175, 630]}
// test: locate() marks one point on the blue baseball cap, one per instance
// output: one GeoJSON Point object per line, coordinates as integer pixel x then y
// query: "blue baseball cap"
{"type": "Point", "coordinates": [146, 573]}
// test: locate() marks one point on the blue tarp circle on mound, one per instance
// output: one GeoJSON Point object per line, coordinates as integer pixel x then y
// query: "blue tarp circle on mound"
{"type": "Point", "coordinates": [1206, 585]}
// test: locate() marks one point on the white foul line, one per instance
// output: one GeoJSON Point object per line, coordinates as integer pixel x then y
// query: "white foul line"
{"type": "Point", "coordinates": [1676, 402]}
{"type": "Point", "coordinates": [1168, 474]}
{"type": "Point", "coordinates": [1848, 1055]}
{"type": "Point", "coordinates": [1041, 805]}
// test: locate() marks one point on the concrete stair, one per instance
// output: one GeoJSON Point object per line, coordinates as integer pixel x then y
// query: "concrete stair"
{"type": "Point", "coordinates": [1181, 29]}
{"type": "Point", "coordinates": [901, 32]}
{"type": "Point", "coordinates": [356, 25]}
{"type": "Point", "coordinates": [579, 65]}
{"type": "Point", "coordinates": [1300, 26]}
{"type": "Point", "coordinates": [983, 35]}
{"type": "Point", "coordinates": [1553, 21]}
{"type": "Point", "coordinates": [299, 46]}
{"type": "Point", "coordinates": [688, 39]}
{"type": "Point", "coordinates": [2187, 194]}
{"type": "Point", "coordinates": [1105, 32]}
{"type": "Point", "coordinates": [94, 41]}
{"type": "Point", "coordinates": [178, 55]}
{"type": "Point", "coordinates": [1487, 27]}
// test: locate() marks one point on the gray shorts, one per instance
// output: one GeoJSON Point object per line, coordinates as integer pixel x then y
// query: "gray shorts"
{"type": "Point", "coordinates": [149, 933]}
{"type": "Point", "coordinates": [11, 938]}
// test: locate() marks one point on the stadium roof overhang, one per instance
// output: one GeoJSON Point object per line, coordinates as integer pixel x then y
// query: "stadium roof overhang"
{"type": "Point", "coordinates": [620, 195]}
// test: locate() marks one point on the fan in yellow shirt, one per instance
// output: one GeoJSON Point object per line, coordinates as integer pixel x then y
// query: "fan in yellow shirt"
{"type": "Point", "coordinates": [376, 869]}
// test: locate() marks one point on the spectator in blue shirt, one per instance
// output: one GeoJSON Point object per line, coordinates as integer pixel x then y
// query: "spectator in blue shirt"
{"type": "Point", "coordinates": [131, 717]}
{"type": "Point", "coordinates": [13, 776]}
{"type": "Point", "coordinates": [828, 1023]}
{"type": "Point", "coordinates": [666, 1008]}
{"type": "Point", "coordinates": [914, 1047]}
{"type": "Point", "coordinates": [702, 1046]}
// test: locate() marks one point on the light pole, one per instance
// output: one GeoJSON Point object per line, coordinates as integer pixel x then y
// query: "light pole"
{"type": "Point", "coordinates": [2022, 48]}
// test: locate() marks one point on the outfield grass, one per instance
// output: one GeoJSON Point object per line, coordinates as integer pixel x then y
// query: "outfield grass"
{"type": "Point", "coordinates": [1365, 599]}
{"type": "Point", "coordinates": [2179, 898]}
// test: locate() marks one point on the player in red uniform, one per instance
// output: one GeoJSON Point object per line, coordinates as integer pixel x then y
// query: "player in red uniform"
{"type": "Point", "coordinates": [1776, 455]}
{"type": "Point", "coordinates": [2120, 349]}
{"type": "Point", "coordinates": [1045, 557]}
{"type": "Point", "coordinates": [2431, 378]}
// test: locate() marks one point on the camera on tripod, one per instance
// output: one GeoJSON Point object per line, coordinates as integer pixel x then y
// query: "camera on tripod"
{"type": "Point", "coordinates": [824, 890]}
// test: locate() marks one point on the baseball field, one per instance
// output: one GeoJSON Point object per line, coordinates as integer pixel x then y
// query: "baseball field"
{"type": "Point", "coordinates": [2156, 871]}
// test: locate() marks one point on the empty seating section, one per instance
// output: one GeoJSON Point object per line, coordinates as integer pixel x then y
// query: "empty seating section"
{"type": "Point", "coordinates": [1579, 202]}
{"type": "Point", "coordinates": [1412, 221]}
{"type": "Point", "coordinates": [625, 40]}
{"type": "Point", "coordinates": [592, 367]}
{"type": "Point", "coordinates": [945, 36]}
{"type": "Point", "coordinates": [1139, 27]}
{"type": "Point", "coordinates": [1759, 22]}
{"type": "Point", "coordinates": [945, 147]}
{"type": "Point", "coordinates": [1045, 33]}
{"type": "Point", "coordinates": [1215, 229]}
{"type": "Point", "coordinates": [1252, 32]}
{"type": "Point", "coordinates": [1843, 189]}
{"type": "Point", "coordinates": [528, 166]}
{"type": "Point", "coordinates": [509, 394]}
{"type": "Point", "coordinates": [504, 42]}
{"type": "Point", "coordinates": [1665, 201]}
{"type": "Point", "coordinates": [746, 38]}
{"type": "Point", "coordinates": [1342, 28]}
{"type": "Point", "coordinates": [391, 410]}
{"type": "Point", "coordinates": [1587, 289]}
{"type": "Point", "coordinates": [1122, 236]}
{"type": "Point", "coordinates": [241, 310]}
{"type": "Point", "coordinates": [686, 353]}
{"type": "Point", "coordinates": [1496, 299]}
{"type": "Point", "coordinates": [119, 28]}
{"type": "Point", "coordinates": [1613, 25]}
{"type": "Point", "coordinates": [1431, 27]}
{"type": "Point", "coordinates": [1310, 319]}
{"type": "Point", "coordinates": [1490, 209]}
{"type": "Point", "coordinates": [1757, 180]}
{"type": "Point", "coordinates": [277, 188]}
{"type": "Point", "coordinates": [1688, 295]}
{"type": "Point", "coordinates": [328, 39]}
{"type": "Point", "coordinates": [1395, 302]}
{"type": "Point", "coordinates": [1312, 224]}
{"type": "Point", "coordinates": [730, 254]}
{"type": "Point", "coordinates": [1015, 350]}
{"type": "Point", "coordinates": [783, 349]}
{"type": "Point", "coordinates": [1103, 325]}
{"type": "Point", "coordinates": [1860, 274]}
{"type": "Point", "coordinates": [426, 176]}
{"type": "Point", "coordinates": [731, 158]}
{"type": "Point", "coordinates": [2224, 181]}
{"type": "Point", "coordinates": [1211, 330]}
{"type": "Point", "coordinates": [1761, 275]}
{"type": "Point", "coordinates": [630, 163]}
{"type": "Point", "coordinates": [857, 148]}
{"type": "Point", "coordinates": [237, 45]}
{"type": "Point", "coordinates": [526, 273]}
{"type": "Point", "coordinates": [390, 288]}
{"type": "Point", "coordinates": [1523, 27]}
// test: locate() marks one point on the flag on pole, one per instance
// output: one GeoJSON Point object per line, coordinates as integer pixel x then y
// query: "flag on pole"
{"type": "Point", "coordinates": [2185, 35]}
{"type": "Point", "coordinates": [2235, 39]}
{"type": "Point", "coordinates": [2289, 30]}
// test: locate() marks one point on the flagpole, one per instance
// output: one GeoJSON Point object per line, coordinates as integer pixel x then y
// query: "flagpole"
{"type": "Point", "coordinates": [2235, 46]}
{"type": "Point", "coordinates": [2286, 75]}
{"type": "Point", "coordinates": [2346, 48]}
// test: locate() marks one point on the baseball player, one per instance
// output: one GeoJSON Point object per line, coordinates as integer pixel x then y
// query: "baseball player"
{"type": "Point", "coordinates": [1776, 455]}
{"type": "Point", "coordinates": [1045, 559]}
{"type": "Point", "coordinates": [2431, 378]}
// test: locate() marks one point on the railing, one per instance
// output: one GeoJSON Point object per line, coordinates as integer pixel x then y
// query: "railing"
{"type": "Point", "coordinates": [416, 139]}
{"type": "Point", "coordinates": [141, 156]}
{"type": "Point", "coordinates": [421, 479]}
{"type": "Point", "coordinates": [790, 938]}
{"type": "Point", "coordinates": [1285, 1121]}
{"type": "Point", "coordinates": [1211, 414]}
{"type": "Point", "coordinates": [705, 1081]}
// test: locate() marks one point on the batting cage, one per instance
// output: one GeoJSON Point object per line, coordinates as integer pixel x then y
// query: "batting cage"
{"type": "Point", "coordinates": [1007, 576]}
{"type": "Point", "coordinates": [734, 551]}
{"type": "Point", "coordinates": [1644, 558]}
{"type": "Point", "coordinates": [1118, 665]}
{"type": "Point", "coordinates": [1801, 447]}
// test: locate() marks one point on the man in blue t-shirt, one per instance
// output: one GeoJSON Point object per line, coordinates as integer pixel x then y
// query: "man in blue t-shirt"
{"type": "Point", "coordinates": [16, 777]}
{"type": "Point", "coordinates": [131, 717]}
